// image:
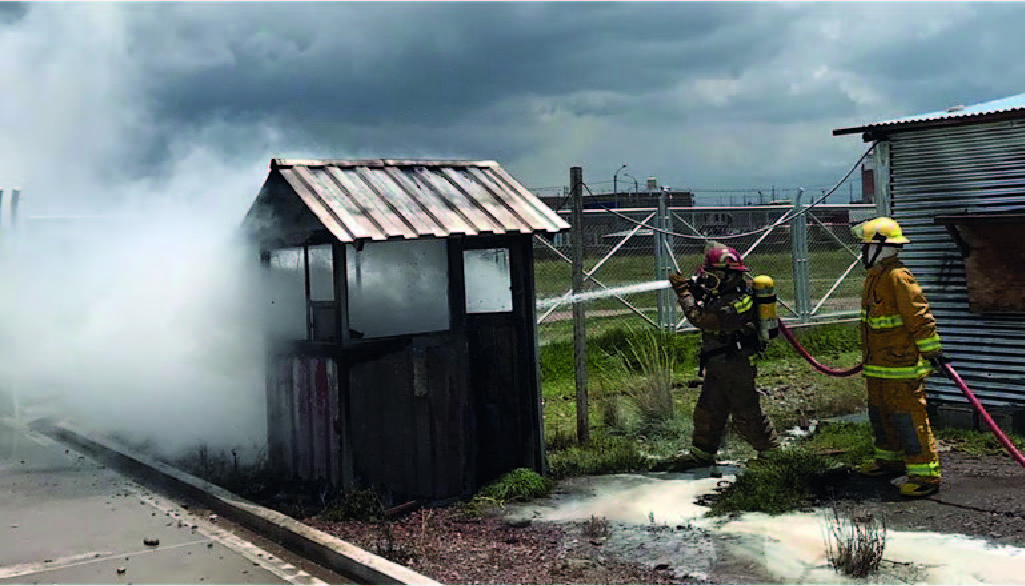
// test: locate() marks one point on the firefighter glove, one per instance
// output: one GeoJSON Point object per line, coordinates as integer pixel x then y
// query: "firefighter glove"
{"type": "Point", "coordinates": [679, 283]}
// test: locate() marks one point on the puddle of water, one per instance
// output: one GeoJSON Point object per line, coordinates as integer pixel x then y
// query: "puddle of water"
{"type": "Point", "coordinates": [791, 548]}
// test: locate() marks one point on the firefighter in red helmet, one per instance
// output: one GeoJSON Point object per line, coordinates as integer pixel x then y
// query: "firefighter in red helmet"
{"type": "Point", "coordinates": [718, 302]}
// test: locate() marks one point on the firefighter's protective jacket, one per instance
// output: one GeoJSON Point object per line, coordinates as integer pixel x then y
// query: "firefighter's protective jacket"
{"type": "Point", "coordinates": [722, 317]}
{"type": "Point", "coordinates": [898, 331]}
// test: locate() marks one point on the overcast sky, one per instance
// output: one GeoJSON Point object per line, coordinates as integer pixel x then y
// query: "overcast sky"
{"type": "Point", "coordinates": [97, 98]}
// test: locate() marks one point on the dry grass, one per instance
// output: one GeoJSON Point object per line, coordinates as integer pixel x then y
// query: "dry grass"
{"type": "Point", "coordinates": [854, 542]}
{"type": "Point", "coordinates": [597, 527]}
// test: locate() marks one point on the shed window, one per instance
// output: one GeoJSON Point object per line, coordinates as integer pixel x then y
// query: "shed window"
{"type": "Point", "coordinates": [323, 312]}
{"type": "Point", "coordinates": [994, 260]}
{"type": "Point", "coordinates": [488, 282]}
{"type": "Point", "coordinates": [286, 294]}
{"type": "Point", "coordinates": [397, 288]}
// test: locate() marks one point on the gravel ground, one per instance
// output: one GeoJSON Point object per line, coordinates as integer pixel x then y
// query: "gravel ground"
{"type": "Point", "coordinates": [982, 496]}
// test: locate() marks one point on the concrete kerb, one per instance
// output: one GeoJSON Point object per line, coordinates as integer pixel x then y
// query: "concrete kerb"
{"type": "Point", "coordinates": [317, 546]}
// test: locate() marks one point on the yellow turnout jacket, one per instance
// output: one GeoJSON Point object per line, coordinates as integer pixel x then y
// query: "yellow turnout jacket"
{"type": "Point", "coordinates": [898, 331]}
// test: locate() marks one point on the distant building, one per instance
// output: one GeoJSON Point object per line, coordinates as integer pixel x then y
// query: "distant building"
{"type": "Point", "coordinates": [622, 199]}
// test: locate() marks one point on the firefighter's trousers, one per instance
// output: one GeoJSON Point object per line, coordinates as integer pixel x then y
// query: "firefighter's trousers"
{"type": "Point", "coordinates": [900, 425]}
{"type": "Point", "coordinates": [729, 389]}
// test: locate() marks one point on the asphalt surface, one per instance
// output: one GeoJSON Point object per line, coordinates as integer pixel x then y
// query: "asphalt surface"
{"type": "Point", "coordinates": [66, 519]}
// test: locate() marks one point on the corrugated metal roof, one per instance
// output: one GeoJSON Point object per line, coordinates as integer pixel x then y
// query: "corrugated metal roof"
{"type": "Point", "coordinates": [384, 199]}
{"type": "Point", "coordinates": [978, 112]}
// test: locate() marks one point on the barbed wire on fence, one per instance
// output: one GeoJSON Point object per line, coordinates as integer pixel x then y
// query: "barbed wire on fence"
{"type": "Point", "coordinates": [784, 218]}
{"type": "Point", "coordinates": [554, 292]}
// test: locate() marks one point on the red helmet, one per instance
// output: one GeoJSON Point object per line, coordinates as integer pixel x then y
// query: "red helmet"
{"type": "Point", "coordinates": [722, 257]}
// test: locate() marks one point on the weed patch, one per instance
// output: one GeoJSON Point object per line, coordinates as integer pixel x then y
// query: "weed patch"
{"type": "Point", "coordinates": [853, 439]}
{"type": "Point", "coordinates": [782, 482]}
{"type": "Point", "coordinates": [355, 505]}
{"type": "Point", "coordinates": [521, 484]}
{"type": "Point", "coordinates": [601, 455]}
{"type": "Point", "coordinates": [854, 543]}
{"type": "Point", "coordinates": [596, 527]}
{"type": "Point", "coordinates": [977, 443]}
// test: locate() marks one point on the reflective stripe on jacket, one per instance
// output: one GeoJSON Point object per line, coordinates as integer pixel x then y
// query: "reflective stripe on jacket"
{"type": "Point", "coordinates": [898, 332]}
{"type": "Point", "coordinates": [728, 312]}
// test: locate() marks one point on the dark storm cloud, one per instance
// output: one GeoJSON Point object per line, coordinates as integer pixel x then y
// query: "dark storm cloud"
{"type": "Point", "coordinates": [977, 60]}
{"type": "Point", "coordinates": [12, 12]}
{"type": "Point", "coordinates": [450, 60]}
{"type": "Point", "coordinates": [686, 91]}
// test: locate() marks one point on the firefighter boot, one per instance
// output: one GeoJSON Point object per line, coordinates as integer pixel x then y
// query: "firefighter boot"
{"type": "Point", "coordinates": [882, 469]}
{"type": "Point", "coordinates": [696, 458]}
{"type": "Point", "coordinates": [920, 486]}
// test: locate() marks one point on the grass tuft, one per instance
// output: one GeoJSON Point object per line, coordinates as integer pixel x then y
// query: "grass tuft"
{"type": "Point", "coordinates": [781, 483]}
{"type": "Point", "coordinates": [854, 543]}
{"type": "Point", "coordinates": [601, 455]}
{"type": "Point", "coordinates": [355, 505]}
{"type": "Point", "coordinates": [521, 484]}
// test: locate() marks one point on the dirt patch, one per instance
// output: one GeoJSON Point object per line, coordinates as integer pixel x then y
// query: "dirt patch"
{"type": "Point", "coordinates": [453, 548]}
{"type": "Point", "coordinates": [982, 496]}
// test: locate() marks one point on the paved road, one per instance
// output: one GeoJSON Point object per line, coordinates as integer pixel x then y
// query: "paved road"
{"type": "Point", "coordinates": [65, 519]}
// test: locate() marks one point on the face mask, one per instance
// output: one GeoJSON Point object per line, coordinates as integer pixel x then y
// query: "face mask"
{"type": "Point", "coordinates": [872, 254]}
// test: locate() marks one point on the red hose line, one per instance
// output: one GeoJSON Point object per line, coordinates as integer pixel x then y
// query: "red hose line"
{"type": "Point", "coordinates": [815, 363]}
{"type": "Point", "coordinates": [1011, 449]}
{"type": "Point", "coordinates": [949, 371]}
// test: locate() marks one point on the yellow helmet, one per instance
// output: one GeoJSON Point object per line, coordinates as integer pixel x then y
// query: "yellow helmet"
{"type": "Point", "coordinates": [880, 230]}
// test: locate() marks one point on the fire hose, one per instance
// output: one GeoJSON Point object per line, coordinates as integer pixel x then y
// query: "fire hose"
{"type": "Point", "coordinates": [948, 371]}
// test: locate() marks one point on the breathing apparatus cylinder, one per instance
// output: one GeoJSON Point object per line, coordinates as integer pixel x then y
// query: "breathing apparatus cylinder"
{"type": "Point", "coordinates": [765, 298]}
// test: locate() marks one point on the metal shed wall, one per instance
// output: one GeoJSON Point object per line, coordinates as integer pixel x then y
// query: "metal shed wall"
{"type": "Point", "coordinates": [948, 171]}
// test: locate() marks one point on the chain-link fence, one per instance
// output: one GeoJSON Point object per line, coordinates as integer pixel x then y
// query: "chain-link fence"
{"type": "Point", "coordinates": [806, 246]}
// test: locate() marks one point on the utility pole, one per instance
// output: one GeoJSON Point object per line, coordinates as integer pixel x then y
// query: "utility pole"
{"type": "Point", "coordinates": [576, 182]}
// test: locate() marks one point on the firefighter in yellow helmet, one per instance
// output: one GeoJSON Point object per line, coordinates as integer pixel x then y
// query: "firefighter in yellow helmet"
{"type": "Point", "coordinates": [898, 343]}
{"type": "Point", "coordinates": [718, 302]}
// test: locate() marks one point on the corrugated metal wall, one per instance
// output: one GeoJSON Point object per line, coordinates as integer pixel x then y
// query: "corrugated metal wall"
{"type": "Point", "coordinates": [948, 171]}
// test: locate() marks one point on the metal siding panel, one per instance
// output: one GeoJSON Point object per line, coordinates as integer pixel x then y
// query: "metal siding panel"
{"type": "Point", "coordinates": [448, 214]}
{"type": "Point", "coordinates": [334, 443]}
{"type": "Point", "coordinates": [323, 201]}
{"type": "Point", "coordinates": [380, 199]}
{"type": "Point", "coordinates": [338, 190]}
{"type": "Point", "coordinates": [302, 419]}
{"type": "Point", "coordinates": [524, 216]}
{"type": "Point", "coordinates": [405, 197]}
{"type": "Point", "coordinates": [475, 218]}
{"type": "Point", "coordinates": [373, 211]}
{"type": "Point", "coordinates": [385, 210]}
{"type": "Point", "coordinates": [969, 169]}
{"type": "Point", "coordinates": [283, 406]}
{"type": "Point", "coordinates": [318, 384]}
{"type": "Point", "coordinates": [476, 194]}
{"type": "Point", "coordinates": [548, 218]}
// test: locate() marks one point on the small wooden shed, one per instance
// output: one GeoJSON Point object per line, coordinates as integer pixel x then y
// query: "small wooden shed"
{"type": "Point", "coordinates": [955, 181]}
{"type": "Point", "coordinates": [402, 349]}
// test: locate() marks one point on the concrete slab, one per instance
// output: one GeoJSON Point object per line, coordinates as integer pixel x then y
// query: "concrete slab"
{"type": "Point", "coordinates": [326, 550]}
{"type": "Point", "coordinates": [66, 519]}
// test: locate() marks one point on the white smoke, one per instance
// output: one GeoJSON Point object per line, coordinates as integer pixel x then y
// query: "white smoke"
{"type": "Point", "coordinates": [142, 319]}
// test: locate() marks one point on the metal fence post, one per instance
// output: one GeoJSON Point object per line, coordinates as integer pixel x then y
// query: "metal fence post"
{"type": "Point", "coordinates": [576, 181]}
{"type": "Point", "coordinates": [667, 294]}
{"type": "Point", "coordinates": [15, 199]}
{"type": "Point", "coordinates": [799, 249]}
{"type": "Point", "coordinates": [881, 177]}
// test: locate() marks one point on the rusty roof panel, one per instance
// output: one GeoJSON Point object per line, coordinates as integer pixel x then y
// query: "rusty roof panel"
{"type": "Point", "coordinates": [384, 199]}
